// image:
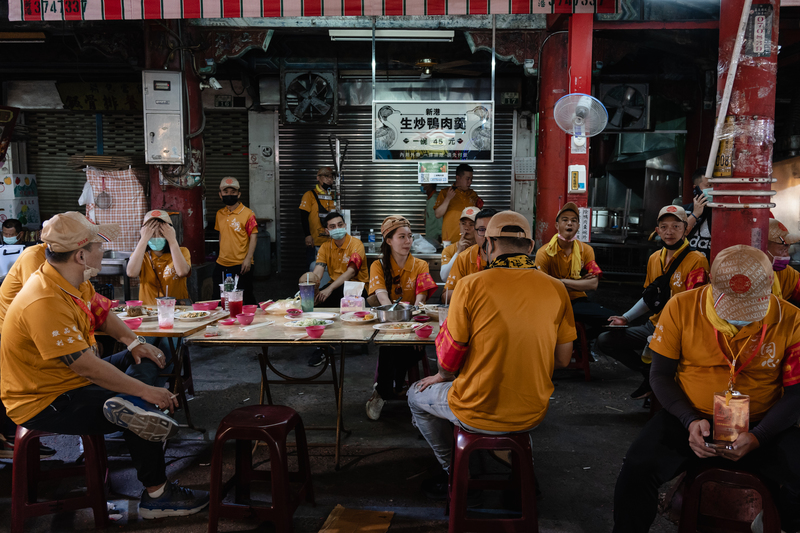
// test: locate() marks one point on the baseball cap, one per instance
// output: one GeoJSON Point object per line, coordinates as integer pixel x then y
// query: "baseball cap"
{"type": "Point", "coordinates": [674, 210]}
{"type": "Point", "coordinates": [70, 231]}
{"type": "Point", "coordinates": [470, 213]}
{"type": "Point", "coordinates": [569, 206]}
{"type": "Point", "coordinates": [741, 283]}
{"type": "Point", "coordinates": [160, 214]}
{"type": "Point", "coordinates": [393, 222]}
{"type": "Point", "coordinates": [229, 182]}
{"type": "Point", "coordinates": [501, 220]}
{"type": "Point", "coordinates": [778, 233]}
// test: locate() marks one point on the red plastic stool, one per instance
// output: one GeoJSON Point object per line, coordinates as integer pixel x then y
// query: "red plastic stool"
{"type": "Point", "coordinates": [522, 477]}
{"type": "Point", "coordinates": [271, 424]}
{"type": "Point", "coordinates": [581, 356]}
{"type": "Point", "coordinates": [730, 478]}
{"type": "Point", "coordinates": [27, 474]}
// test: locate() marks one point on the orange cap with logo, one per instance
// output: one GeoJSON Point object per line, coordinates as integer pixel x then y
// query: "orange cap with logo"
{"type": "Point", "coordinates": [470, 213]}
{"type": "Point", "coordinates": [229, 182]}
{"type": "Point", "coordinates": [675, 210]}
{"type": "Point", "coordinates": [159, 214]}
{"type": "Point", "coordinates": [72, 230]}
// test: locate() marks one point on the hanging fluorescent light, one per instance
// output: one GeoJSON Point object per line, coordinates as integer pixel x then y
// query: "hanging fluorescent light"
{"type": "Point", "coordinates": [423, 36]}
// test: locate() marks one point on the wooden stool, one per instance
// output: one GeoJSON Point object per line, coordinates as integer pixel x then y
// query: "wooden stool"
{"type": "Point", "coordinates": [27, 474]}
{"type": "Point", "coordinates": [691, 518]}
{"type": "Point", "coordinates": [522, 477]}
{"type": "Point", "coordinates": [581, 355]}
{"type": "Point", "coordinates": [270, 424]}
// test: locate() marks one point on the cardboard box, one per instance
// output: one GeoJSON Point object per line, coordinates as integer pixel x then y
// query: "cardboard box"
{"type": "Point", "coordinates": [13, 186]}
{"type": "Point", "coordinates": [26, 210]}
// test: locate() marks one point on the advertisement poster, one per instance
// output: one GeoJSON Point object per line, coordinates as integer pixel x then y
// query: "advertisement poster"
{"type": "Point", "coordinates": [441, 130]}
{"type": "Point", "coordinates": [430, 172]}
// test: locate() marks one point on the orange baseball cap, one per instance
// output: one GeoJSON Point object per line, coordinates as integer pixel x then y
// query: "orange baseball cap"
{"type": "Point", "coordinates": [569, 206]}
{"type": "Point", "coordinates": [504, 219]}
{"type": "Point", "coordinates": [779, 234]}
{"type": "Point", "coordinates": [70, 231]}
{"type": "Point", "coordinates": [229, 182]}
{"type": "Point", "coordinates": [160, 214]}
{"type": "Point", "coordinates": [741, 283]}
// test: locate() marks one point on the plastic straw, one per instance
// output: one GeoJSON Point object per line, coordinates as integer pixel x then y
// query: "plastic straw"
{"type": "Point", "coordinates": [307, 281]}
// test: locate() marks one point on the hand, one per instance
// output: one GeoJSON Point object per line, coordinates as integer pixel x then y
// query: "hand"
{"type": "Point", "coordinates": [309, 240]}
{"type": "Point", "coordinates": [168, 232]}
{"type": "Point", "coordinates": [699, 204]}
{"type": "Point", "coordinates": [160, 397]}
{"type": "Point", "coordinates": [451, 192]}
{"type": "Point", "coordinates": [245, 268]}
{"type": "Point", "coordinates": [744, 444]}
{"type": "Point", "coordinates": [463, 244]}
{"type": "Point", "coordinates": [148, 231]}
{"type": "Point", "coordinates": [424, 383]}
{"type": "Point", "coordinates": [588, 275]}
{"type": "Point", "coordinates": [323, 295]}
{"type": "Point", "coordinates": [148, 351]}
{"type": "Point", "coordinates": [697, 431]}
{"type": "Point", "coordinates": [617, 320]}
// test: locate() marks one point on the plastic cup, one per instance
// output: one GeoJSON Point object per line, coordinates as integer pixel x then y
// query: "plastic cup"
{"type": "Point", "coordinates": [166, 312]}
{"type": "Point", "coordinates": [234, 299]}
{"type": "Point", "coordinates": [443, 313]}
{"type": "Point", "coordinates": [307, 297]}
{"type": "Point", "coordinates": [222, 296]}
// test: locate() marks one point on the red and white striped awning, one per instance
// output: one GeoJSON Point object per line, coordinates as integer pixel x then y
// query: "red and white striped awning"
{"type": "Point", "coordinates": [33, 10]}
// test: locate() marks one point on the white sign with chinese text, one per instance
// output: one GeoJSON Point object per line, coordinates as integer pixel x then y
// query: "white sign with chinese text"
{"type": "Point", "coordinates": [441, 130]}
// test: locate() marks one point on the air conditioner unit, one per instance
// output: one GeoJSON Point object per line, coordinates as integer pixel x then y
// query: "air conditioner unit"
{"type": "Point", "coordinates": [628, 106]}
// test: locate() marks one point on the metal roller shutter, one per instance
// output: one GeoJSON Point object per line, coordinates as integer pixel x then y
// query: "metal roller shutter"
{"type": "Point", "coordinates": [371, 190]}
{"type": "Point", "coordinates": [227, 145]}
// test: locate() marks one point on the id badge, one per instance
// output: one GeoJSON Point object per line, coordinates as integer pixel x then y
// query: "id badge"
{"type": "Point", "coordinates": [731, 416]}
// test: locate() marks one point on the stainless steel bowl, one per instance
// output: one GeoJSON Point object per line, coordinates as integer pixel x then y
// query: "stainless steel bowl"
{"type": "Point", "coordinates": [402, 313]}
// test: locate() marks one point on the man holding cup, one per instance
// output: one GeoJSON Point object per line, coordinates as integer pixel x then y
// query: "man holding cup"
{"type": "Point", "coordinates": [730, 336]}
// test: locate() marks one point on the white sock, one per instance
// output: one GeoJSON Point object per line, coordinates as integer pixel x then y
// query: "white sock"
{"type": "Point", "coordinates": [157, 493]}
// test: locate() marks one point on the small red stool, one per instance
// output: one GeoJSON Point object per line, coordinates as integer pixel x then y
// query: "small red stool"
{"type": "Point", "coordinates": [522, 477]}
{"type": "Point", "coordinates": [691, 518]}
{"type": "Point", "coordinates": [271, 424]}
{"type": "Point", "coordinates": [581, 356]}
{"type": "Point", "coordinates": [27, 474]}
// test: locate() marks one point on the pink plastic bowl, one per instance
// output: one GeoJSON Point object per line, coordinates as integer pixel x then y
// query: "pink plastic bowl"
{"type": "Point", "coordinates": [228, 322]}
{"type": "Point", "coordinates": [114, 303]}
{"type": "Point", "coordinates": [202, 306]}
{"type": "Point", "coordinates": [133, 303]}
{"type": "Point", "coordinates": [133, 323]}
{"type": "Point", "coordinates": [422, 318]}
{"type": "Point", "coordinates": [424, 332]}
{"type": "Point", "coordinates": [265, 305]}
{"type": "Point", "coordinates": [294, 312]}
{"type": "Point", "coordinates": [315, 332]}
{"type": "Point", "coordinates": [360, 314]}
{"type": "Point", "coordinates": [249, 309]}
{"type": "Point", "coordinates": [245, 319]}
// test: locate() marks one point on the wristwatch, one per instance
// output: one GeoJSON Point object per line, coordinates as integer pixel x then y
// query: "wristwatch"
{"type": "Point", "coordinates": [139, 340]}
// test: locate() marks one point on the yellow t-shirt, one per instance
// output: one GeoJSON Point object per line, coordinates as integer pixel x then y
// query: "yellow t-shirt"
{"type": "Point", "coordinates": [309, 203]}
{"type": "Point", "coordinates": [158, 274]}
{"type": "Point", "coordinates": [448, 253]}
{"type": "Point", "coordinates": [683, 332]}
{"type": "Point", "coordinates": [452, 217]}
{"type": "Point", "coordinates": [29, 262]}
{"type": "Point", "coordinates": [43, 323]}
{"type": "Point", "coordinates": [468, 262]}
{"type": "Point", "coordinates": [559, 265]}
{"type": "Point", "coordinates": [234, 230]}
{"type": "Point", "coordinates": [338, 259]}
{"type": "Point", "coordinates": [505, 382]}
{"type": "Point", "coordinates": [407, 283]}
{"type": "Point", "coordinates": [788, 279]}
{"type": "Point", "coordinates": [691, 273]}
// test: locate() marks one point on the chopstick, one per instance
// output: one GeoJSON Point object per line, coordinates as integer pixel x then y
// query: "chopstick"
{"type": "Point", "coordinates": [254, 326]}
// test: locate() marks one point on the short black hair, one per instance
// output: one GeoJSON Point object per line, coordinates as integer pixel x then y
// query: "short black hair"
{"type": "Point", "coordinates": [330, 216]}
{"type": "Point", "coordinates": [463, 167]}
{"type": "Point", "coordinates": [698, 175]}
{"type": "Point", "coordinates": [513, 243]}
{"type": "Point", "coordinates": [486, 212]}
{"type": "Point", "coordinates": [13, 223]}
{"type": "Point", "coordinates": [63, 257]}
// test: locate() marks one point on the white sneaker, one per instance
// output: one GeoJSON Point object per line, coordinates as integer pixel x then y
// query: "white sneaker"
{"type": "Point", "coordinates": [758, 524]}
{"type": "Point", "coordinates": [375, 405]}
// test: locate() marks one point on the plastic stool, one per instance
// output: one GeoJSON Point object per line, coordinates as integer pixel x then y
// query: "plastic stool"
{"type": "Point", "coordinates": [270, 424]}
{"type": "Point", "coordinates": [691, 518]}
{"type": "Point", "coordinates": [581, 356]}
{"type": "Point", "coordinates": [522, 477]}
{"type": "Point", "coordinates": [27, 474]}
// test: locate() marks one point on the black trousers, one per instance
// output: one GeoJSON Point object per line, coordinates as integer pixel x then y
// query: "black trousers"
{"type": "Point", "coordinates": [593, 316]}
{"type": "Point", "coordinates": [80, 412]}
{"type": "Point", "coordinates": [393, 364]}
{"type": "Point", "coordinates": [661, 452]}
{"type": "Point", "coordinates": [626, 346]}
{"type": "Point", "coordinates": [245, 281]}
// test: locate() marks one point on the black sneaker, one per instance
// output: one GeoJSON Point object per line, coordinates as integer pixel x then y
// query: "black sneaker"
{"type": "Point", "coordinates": [643, 391]}
{"type": "Point", "coordinates": [435, 488]}
{"type": "Point", "coordinates": [140, 417]}
{"type": "Point", "coordinates": [7, 449]}
{"type": "Point", "coordinates": [175, 501]}
{"type": "Point", "coordinates": [317, 358]}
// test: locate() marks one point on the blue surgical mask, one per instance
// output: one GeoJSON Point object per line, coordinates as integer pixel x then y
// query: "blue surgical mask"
{"type": "Point", "coordinates": [337, 233]}
{"type": "Point", "coordinates": [10, 240]}
{"type": "Point", "coordinates": [738, 323]}
{"type": "Point", "coordinates": [157, 243]}
{"type": "Point", "coordinates": [421, 188]}
{"type": "Point", "coordinates": [707, 195]}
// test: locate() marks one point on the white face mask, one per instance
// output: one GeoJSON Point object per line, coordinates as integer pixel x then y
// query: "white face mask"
{"type": "Point", "coordinates": [89, 272]}
{"type": "Point", "coordinates": [739, 323]}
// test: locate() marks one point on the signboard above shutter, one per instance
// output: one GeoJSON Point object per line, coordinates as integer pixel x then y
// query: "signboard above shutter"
{"type": "Point", "coordinates": [33, 10]}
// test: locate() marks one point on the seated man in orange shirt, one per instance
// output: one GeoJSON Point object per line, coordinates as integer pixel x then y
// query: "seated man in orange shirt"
{"type": "Point", "coordinates": [787, 279]}
{"type": "Point", "coordinates": [474, 258]}
{"type": "Point", "coordinates": [467, 239]}
{"type": "Point", "coordinates": [730, 336]}
{"type": "Point", "coordinates": [504, 378]}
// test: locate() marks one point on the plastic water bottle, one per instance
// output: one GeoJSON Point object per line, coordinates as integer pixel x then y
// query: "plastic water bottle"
{"type": "Point", "coordinates": [228, 285]}
{"type": "Point", "coordinates": [371, 241]}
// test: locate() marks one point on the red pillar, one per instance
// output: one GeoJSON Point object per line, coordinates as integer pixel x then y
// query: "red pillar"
{"type": "Point", "coordinates": [188, 202]}
{"type": "Point", "coordinates": [551, 186]}
{"type": "Point", "coordinates": [580, 81]}
{"type": "Point", "coordinates": [752, 109]}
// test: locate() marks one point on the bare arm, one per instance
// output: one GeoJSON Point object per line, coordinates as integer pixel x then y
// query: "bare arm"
{"type": "Point", "coordinates": [178, 261]}
{"type": "Point", "coordinates": [119, 330]}
{"type": "Point", "coordinates": [135, 260]}
{"type": "Point", "coordinates": [383, 297]}
{"type": "Point", "coordinates": [563, 354]}
{"type": "Point", "coordinates": [588, 283]}
{"type": "Point", "coordinates": [421, 298]}
{"type": "Point", "coordinates": [248, 259]}
{"type": "Point", "coordinates": [442, 209]}
{"type": "Point", "coordinates": [349, 274]}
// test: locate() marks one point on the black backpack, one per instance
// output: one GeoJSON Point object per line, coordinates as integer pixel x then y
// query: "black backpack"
{"type": "Point", "coordinates": [658, 292]}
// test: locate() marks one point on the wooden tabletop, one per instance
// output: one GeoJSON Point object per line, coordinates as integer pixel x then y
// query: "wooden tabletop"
{"type": "Point", "coordinates": [390, 338]}
{"type": "Point", "coordinates": [181, 328]}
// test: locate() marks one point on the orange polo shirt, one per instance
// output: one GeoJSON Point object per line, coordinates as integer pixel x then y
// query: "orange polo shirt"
{"type": "Point", "coordinates": [339, 259]}
{"type": "Point", "coordinates": [414, 278]}
{"type": "Point", "coordinates": [31, 373]}
{"type": "Point", "coordinates": [451, 218]}
{"type": "Point", "coordinates": [158, 274]}
{"type": "Point", "coordinates": [309, 203]}
{"type": "Point", "coordinates": [691, 273]}
{"type": "Point", "coordinates": [235, 228]}
{"type": "Point", "coordinates": [468, 262]}
{"type": "Point", "coordinates": [448, 253]}
{"type": "Point", "coordinates": [559, 265]}
{"type": "Point", "coordinates": [685, 333]}
{"type": "Point", "coordinates": [788, 279]}
{"type": "Point", "coordinates": [505, 381]}
{"type": "Point", "coordinates": [29, 262]}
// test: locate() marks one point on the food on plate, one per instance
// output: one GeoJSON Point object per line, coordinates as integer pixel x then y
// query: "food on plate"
{"type": "Point", "coordinates": [310, 322]}
{"type": "Point", "coordinates": [396, 325]}
{"type": "Point", "coordinates": [118, 309]}
{"type": "Point", "coordinates": [194, 314]}
{"type": "Point", "coordinates": [135, 310]}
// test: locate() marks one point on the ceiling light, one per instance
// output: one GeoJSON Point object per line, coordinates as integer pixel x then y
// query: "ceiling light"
{"type": "Point", "coordinates": [423, 36]}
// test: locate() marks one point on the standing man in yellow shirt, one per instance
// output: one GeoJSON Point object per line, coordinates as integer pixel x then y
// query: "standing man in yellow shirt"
{"type": "Point", "coordinates": [452, 201]}
{"type": "Point", "coordinates": [314, 207]}
{"type": "Point", "coordinates": [237, 229]}
{"type": "Point", "coordinates": [160, 272]}
{"type": "Point", "coordinates": [504, 381]}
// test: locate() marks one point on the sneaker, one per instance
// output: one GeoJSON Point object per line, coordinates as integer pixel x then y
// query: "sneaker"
{"type": "Point", "coordinates": [7, 449]}
{"type": "Point", "coordinates": [175, 501]}
{"type": "Point", "coordinates": [317, 358]}
{"type": "Point", "coordinates": [375, 405]}
{"type": "Point", "coordinates": [758, 524]}
{"type": "Point", "coordinates": [436, 488]}
{"type": "Point", "coordinates": [142, 418]}
{"type": "Point", "coordinates": [643, 391]}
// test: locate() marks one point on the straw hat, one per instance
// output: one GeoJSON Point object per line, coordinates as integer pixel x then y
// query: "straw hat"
{"type": "Point", "coordinates": [741, 283]}
{"type": "Point", "coordinates": [71, 230]}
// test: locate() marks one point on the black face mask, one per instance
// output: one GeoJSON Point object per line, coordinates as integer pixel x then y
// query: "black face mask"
{"type": "Point", "coordinates": [230, 199]}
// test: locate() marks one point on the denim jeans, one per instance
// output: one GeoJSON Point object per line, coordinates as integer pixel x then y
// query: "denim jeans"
{"type": "Point", "coordinates": [80, 412]}
{"type": "Point", "coordinates": [434, 418]}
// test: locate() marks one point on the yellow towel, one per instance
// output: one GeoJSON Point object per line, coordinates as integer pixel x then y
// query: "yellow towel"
{"type": "Point", "coordinates": [575, 259]}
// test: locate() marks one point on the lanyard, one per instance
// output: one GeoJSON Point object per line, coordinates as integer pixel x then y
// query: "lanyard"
{"type": "Point", "coordinates": [732, 362]}
{"type": "Point", "coordinates": [85, 309]}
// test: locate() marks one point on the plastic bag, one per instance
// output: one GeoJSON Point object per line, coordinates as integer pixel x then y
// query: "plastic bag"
{"type": "Point", "coordinates": [422, 246]}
